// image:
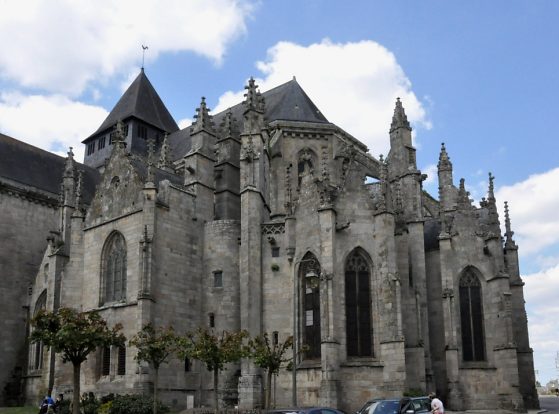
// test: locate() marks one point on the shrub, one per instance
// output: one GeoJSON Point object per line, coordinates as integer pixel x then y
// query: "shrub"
{"type": "Point", "coordinates": [135, 404]}
{"type": "Point", "coordinates": [90, 404]}
{"type": "Point", "coordinates": [64, 407]}
{"type": "Point", "coordinates": [105, 408]}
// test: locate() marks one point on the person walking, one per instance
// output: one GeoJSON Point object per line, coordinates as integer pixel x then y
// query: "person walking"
{"type": "Point", "coordinates": [437, 406]}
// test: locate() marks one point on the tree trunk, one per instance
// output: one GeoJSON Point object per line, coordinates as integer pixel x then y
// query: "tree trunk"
{"type": "Point", "coordinates": [268, 396]}
{"type": "Point", "coordinates": [216, 402]}
{"type": "Point", "coordinates": [155, 386]}
{"type": "Point", "coordinates": [76, 396]}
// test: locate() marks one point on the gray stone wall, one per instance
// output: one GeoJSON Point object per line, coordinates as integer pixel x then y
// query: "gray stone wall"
{"type": "Point", "coordinates": [24, 226]}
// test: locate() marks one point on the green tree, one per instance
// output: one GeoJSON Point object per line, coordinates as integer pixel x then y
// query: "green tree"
{"type": "Point", "coordinates": [74, 335]}
{"type": "Point", "coordinates": [269, 357]}
{"type": "Point", "coordinates": [214, 351]}
{"type": "Point", "coordinates": [154, 347]}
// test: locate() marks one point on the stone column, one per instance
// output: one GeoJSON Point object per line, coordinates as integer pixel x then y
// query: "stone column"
{"type": "Point", "coordinates": [330, 359]}
{"type": "Point", "coordinates": [453, 394]}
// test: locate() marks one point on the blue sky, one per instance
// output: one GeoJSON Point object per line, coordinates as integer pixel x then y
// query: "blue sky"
{"type": "Point", "coordinates": [478, 75]}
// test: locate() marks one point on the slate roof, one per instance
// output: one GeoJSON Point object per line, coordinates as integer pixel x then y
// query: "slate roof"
{"type": "Point", "coordinates": [34, 167]}
{"type": "Point", "coordinates": [286, 102]}
{"type": "Point", "coordinates": [140, 101]}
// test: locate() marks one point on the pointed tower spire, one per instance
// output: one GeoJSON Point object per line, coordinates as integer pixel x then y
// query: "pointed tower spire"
{"type": "Point", "coordinates": [203, 119]}
{"type": "Point", "coordinates": [444, 160]}
{"type": "Point", "coordinates": [509, 242]}
{"type": "Point", "coordinates": [399, 119]}
{"type": "Point", "coordinates": [165, 155]}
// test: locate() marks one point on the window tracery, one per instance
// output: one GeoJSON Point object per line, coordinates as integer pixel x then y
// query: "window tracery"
{"type": "Point", "coordinates": [471, 316]}
{"type": "Point", "coordinates": [358, 305]}
{"type": "Point", "coordinates": [114, 269]}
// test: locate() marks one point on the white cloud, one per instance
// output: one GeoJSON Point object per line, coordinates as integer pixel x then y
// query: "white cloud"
{"type": "Point", "coordinates": [186, 122]}
{"type": "Point", "coordinates": [533, 205]}
{"type": "Point", "coordinates": [53, 122]}
{"type": "Point", "coordinates": [432, 173]}
{"type": "Point", "coordinates": [540, 293]}
{"type": "Point", "coordinates": [62, 45]}
{"type": "Point", "coordinates": [355, 85]}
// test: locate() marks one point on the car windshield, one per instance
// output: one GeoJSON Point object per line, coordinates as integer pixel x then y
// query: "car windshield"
{"type": "Point", "coordinates": [384, 407]}
{"type": "Point", "coordinates": [422, 404]}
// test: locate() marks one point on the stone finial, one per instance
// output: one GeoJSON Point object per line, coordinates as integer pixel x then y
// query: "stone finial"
{"type": "Point", "coordinates": [202, 120]}
{"type": "Point", "coordinates": [165, 155]}
{"type": "Point", "coordinates": [228, 126]}
{"type": "Point", "coordinates": [444, 160]}
{"type": "Point", "coordinates": [491, 193]}
{"type": "Point", "coordinates": [509, 242]}
{"type": "Point", "coordinates": [254, 101]}
{"type": "Point", "coordinates": [463, 195]}
{"type": "Point", "coordinates": [399, 119]}
{"type": "Point", "coordinates": [69, 166]}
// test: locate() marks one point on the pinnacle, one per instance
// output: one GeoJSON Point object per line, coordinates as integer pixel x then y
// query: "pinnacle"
{"type": "Point", "coordinates": [254, 100]}
{"type": "Point", "coordinates": [69, 167]}
{"type": "Point", "coordinates": [463, 195]}
{"type": "Point", "coordinates": [203, 120]}
{"type": "Point", "coordinates": [228, 125]}
{"type": "Point", "coordinates": [491, 194]}
{"type": "Point", "coordinates": [444, 160]}
{"type": "Point", "coordinates": [165, 157]}
{"type": "Point", "coordinates": [399, 119]}
{"type": "Point", "coordinates": [509, 242]}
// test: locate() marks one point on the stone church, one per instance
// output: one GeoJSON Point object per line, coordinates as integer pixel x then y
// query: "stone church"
{"type": "Point", "coordinates": [265, 217]}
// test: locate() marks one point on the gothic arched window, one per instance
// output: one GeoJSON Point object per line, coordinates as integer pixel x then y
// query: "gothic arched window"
{"type": "Point", "coordinates": [309, 270]}
{"type": "Point", "coordinates": [471, 316]}
{"type": "Point", "coordinates": [114, 269]}
{"type": "Point", "coordinates": [36, 349]}
{"type": "Point", "coordinates": [358, 305]}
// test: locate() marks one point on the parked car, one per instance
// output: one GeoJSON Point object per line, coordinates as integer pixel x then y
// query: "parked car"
{"type": "Point", "coordinates": [305, 410]}
{"type": "Point", "coordinates": [406, 405]}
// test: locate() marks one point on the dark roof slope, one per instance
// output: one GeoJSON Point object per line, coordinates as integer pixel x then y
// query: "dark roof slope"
{"type": "Point", "coordinates": [34, 167]}
{"type": "Point", "coordinates": [286, 102]}
{"type": "Point", "coordinates": [140, 101]}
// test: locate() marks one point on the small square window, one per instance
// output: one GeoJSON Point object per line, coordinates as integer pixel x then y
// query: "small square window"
{"type": "Point", "coordinates": [275, 251]}
{"type": "Point", "coordinates": [218, 279]}
{"type": "Point", "coordinates": [309, 318]}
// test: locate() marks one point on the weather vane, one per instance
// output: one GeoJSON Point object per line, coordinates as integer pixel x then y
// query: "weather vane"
{"type": "Point", "coordinates": [143, 54]}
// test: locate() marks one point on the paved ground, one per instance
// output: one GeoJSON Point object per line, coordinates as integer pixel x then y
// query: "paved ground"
{"type": "Point", "coordinates": [549, 403]}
